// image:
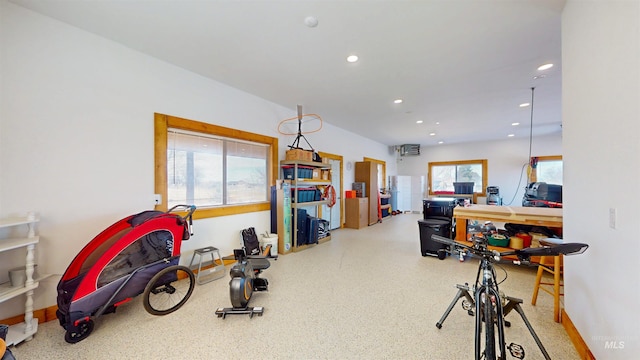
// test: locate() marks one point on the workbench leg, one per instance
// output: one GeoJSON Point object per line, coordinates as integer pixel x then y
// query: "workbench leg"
{"type": "Point", "coordinates": [461, 229]}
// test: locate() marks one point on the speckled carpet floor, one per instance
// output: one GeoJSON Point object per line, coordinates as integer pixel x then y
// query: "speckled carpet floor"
{"type": "Point", "coordinates": [366, 294]}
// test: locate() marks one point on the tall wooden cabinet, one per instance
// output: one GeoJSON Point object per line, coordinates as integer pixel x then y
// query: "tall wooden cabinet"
{"type": "Point", "coordinates": [367, 172]}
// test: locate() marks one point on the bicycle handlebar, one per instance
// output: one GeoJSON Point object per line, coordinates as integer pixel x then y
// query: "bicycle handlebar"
{"type": "Point", "coordinates": [480, 249]}
{"type": "Point", "coordinates": [190, 209]}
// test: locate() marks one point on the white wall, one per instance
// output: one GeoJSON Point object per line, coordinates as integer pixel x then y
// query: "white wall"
{"type": "Point", "coordinates": [505, 160]}
{"type": "Point", "coordinates": [76, 137]}
{"type": "Point", "coordinates": [601, 115]}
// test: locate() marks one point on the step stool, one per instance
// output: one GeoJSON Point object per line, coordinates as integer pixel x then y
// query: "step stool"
{"type": "Point", "coordinates": [213, 273]}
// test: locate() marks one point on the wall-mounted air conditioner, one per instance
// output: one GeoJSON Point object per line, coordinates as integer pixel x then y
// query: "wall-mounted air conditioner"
{"type": "Point", "coordinates": [410, 150]}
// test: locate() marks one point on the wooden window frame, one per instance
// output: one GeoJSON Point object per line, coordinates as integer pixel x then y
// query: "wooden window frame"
{"type": "Point", "coordinates": [485, 172]}
{"type": "Point", "coordinates": [162, 123]}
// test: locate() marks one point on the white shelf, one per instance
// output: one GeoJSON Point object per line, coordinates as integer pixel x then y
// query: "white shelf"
{"type": "Point", "coordinates": [23, 331]}
{"type": "Point", "coordinates": [18, 332]}
{"type": "Point", "coordinates": [10, 244]}
{"type": "Point", "coordinates": [8, 292]}
{"type": "Point", "coordinates": [15, 221]}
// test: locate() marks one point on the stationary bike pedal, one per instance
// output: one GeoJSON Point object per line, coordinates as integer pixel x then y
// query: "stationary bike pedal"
{"type": "Point", "coordinates": [517, 351]}
{"type": "Point", "coordinates": [468, 307]}
{"type": "Point", "coordinates": [260, 284]}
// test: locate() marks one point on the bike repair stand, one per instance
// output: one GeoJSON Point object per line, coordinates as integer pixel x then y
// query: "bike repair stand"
{"type": "Point", "coordinates": [512, 304]}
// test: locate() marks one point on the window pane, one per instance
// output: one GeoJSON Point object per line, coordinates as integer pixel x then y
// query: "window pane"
{"type": "Point", "coordinates": [443, 178]}
{"type": "Point", "coordinates": [549, 172]}
{"type": "Point", "coordinates": [471, 173]}
{"type": "Point", "coordinates": [176, 176]}
{"type": "Point", "coordinates": [194, 170]}
{"type": "Point", "coordinates": [246, 172]}
{"type": "Point", "coordinates": [208, 179]}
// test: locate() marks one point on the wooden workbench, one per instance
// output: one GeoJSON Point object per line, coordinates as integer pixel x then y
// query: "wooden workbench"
{"type": "Point", "coordinates": [550, 217]}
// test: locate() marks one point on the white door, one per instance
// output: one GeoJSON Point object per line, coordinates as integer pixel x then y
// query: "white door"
{"type": "Point", "coordinates": [333, 214]}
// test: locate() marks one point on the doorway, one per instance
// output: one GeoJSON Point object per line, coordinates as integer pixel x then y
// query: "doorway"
{"type": "Point", "coordinates": [334, 214]}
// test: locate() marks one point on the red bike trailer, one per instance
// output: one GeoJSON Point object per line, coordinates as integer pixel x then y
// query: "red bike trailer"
{"type": "Point", "coordinates": [138, 254]}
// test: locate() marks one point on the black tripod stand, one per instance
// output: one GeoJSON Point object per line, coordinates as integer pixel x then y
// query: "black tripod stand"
{"type": "Point", "coordinates": [296, 141]}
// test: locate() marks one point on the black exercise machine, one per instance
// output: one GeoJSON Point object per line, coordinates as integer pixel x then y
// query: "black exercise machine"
{"type": "Point", "coordinates": [245, 276]}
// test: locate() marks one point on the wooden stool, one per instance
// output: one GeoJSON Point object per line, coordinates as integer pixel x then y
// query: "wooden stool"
{"type": "Point", "coordinates": [552, 265]}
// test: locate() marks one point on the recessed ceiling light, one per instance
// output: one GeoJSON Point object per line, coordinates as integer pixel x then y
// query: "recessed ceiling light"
{"type": "Point", "coordinates": [432, 134]}
{"type": "Point", "coordinates": [545, 67]}
{"type": "Point", "coordinates": [515, 124]}
{"type": "Point", "coordinates": [352, 58]}
{"type": "Point", "coordinates": [419, 122]}
{"type": "Point", "coordinates": [397, 101]}
{"type": "Point", "coordinates": [511, 135]}
{"type": "Point", "coordinates": [524, 104]}
{"type": "Point", "coordinates": [440, 142]}
{"type": "Point", "coordinates": [437, 122]}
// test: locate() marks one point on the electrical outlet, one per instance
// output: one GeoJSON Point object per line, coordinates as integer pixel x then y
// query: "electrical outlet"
{"type": "Point", "coordinates": [157, 198]}
{"type": "Point", "coordinates": [612, 218]}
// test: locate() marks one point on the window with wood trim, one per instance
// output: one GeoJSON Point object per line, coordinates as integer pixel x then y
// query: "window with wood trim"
{"type": "Point", "coordinates": [222, 171]}
{"type": "Point", "coordinates": [443, 174]}
{"type": "Point", "coordinates": [546, 169]}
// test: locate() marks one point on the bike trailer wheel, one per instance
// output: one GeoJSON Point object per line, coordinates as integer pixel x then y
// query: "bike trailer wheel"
{"type": "Point", "coordinates": [168, 290]}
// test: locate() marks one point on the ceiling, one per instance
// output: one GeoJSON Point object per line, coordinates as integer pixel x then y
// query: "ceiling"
{"type": "Point", "coordinates": [462, 67]}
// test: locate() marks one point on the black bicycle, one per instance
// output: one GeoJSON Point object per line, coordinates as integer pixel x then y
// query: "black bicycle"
{"type": "Point", "coordinates": [488, 304]}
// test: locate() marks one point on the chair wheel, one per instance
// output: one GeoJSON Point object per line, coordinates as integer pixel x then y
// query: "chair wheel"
{"type": "Point", "coordinates": [442, 254]}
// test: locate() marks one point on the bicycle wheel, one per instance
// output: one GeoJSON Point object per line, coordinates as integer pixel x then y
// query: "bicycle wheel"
{"type": "Point", "coordinates": [489, 324]}
{"type": "Point", "coordinates": [485, 343]}
{"type": "Point", "coordinates": [168, 290]}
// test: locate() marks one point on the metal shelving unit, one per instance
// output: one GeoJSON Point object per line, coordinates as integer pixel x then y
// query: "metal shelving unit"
{"type": "Point", "coordinates": [296, 184]}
